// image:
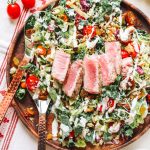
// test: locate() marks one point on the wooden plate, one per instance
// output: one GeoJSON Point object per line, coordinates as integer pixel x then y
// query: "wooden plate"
{"type": "Point", "coordinates": [17, 50]}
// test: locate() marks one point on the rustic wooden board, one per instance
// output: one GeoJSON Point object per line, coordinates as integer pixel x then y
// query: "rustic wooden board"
{"type": "Point", "coordinates": [17, 50]}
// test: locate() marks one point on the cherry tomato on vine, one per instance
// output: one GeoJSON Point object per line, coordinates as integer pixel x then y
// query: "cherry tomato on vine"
{"type": "Point", "coordinates": [13, 10]}
{"type": "Point", "coordinates": [32, 82]}
{"type": "Point", "coordinates": [28, 3]}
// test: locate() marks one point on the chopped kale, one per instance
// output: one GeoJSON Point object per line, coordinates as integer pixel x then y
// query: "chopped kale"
{"type": "Point", "coordinates": [63, 115]}
{"type": "Point", "coordinates": [78, 130]}
{"type": "Point", "coordinates": [90, 136]}
{"type": "Point", "coordinates": [127, 131]}
{"type": "Point", "coordinates": [71, 143]}
{"type": "Point", "coordinates": [107, 137]}
{"type": "Point", "coordinates": [100, 46]}
{"type": "Point", "coordinates": [53, 94]}
{"type": "Point", "coordinates": [113, 90]}
{"type": "Point", "coordinates": [62, 2]}
{"type": "Point", "coordinates": [31, 68]}
{"type": "Point", "coordinates": [80, 143]}
{"type": "Point", "coordinates": [81, 52]}
{"type": "Point", "coordinates": [30, 22]}
{"type": "Point", "coordinates": [20, 94]}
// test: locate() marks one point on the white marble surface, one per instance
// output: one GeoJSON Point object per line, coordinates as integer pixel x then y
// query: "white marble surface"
{"type": "Point", "coordinates": [25, 141]}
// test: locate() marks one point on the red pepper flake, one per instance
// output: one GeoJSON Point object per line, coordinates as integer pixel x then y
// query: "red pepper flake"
{"type": "Point", "coordinates": [148, 98]}
{"type": "Point", "coordinates": [100, 109]}
{"type": "Point", "coordinates": [71, 134]}
{"type": "Point", "coordinates": [110, 103]}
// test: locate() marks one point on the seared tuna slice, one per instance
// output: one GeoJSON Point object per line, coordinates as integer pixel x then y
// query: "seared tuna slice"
{"type": "Point", "coordinates": [127, 63]}
{"type": "Point", "coordinates": [74, 79]}
{"type": "Point", "coordinates": [107, 69]}
{"type": "Point", "coordinates": [92, 76]}
{"type": "Point", "coordinates": [114, 50]}
{"type": "Point", "coordinates": [60, 66]}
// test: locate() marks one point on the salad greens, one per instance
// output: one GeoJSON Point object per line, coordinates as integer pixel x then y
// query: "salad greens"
{"type": "Point", "coordinates": [20, 94]}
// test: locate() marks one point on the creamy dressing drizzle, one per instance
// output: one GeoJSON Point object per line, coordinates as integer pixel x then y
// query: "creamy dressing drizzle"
{"type": "Point", "coordinates": [75, 43]}
{"type": "Point", "coordinates": [123, 84]}
{"type": "Point", "coordinates": [91, 44]}
{"type": "Point", "coordinates": [124, 34]}
{"type": "Point", "coordinates": [55, 122]}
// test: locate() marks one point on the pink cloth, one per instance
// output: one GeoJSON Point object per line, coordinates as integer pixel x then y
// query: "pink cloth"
{"type": "Point", "coordinates": [10, 121]}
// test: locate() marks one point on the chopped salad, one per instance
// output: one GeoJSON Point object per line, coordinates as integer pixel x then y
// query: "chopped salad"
{"type": "Point", "coordinates": [92, 60]}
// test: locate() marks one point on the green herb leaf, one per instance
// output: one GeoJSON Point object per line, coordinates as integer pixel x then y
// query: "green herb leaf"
{"type": "Point", "coordinates": [64, 119]}
{"type": "Point", "coordinates": [30, 22]}
{"type": "Point", "coordinates": [70, 143]}
{"type": "Point", "coordinates": [53, 94]}
{"type": "Point", "coordinates": [78, 130]}
{"type": "Point", "coordinates": [90, 136]}
{"type": "Point", "coordinates": [100, 46]}
{"type": "Point", "coordinates": [107, 137]}
{"type": "Point", "coordinates": [129, 132]}
{"type": "Point", "coordinates": [20, 93]}
{"type": "Point", "coordinates": [63, 115]}
{"type": "Point", "coordinates": [62, 3]}
{"type": "Point", "coordinates": [31, 68]}
{"type": "Point", "coordinates": [80, 143]}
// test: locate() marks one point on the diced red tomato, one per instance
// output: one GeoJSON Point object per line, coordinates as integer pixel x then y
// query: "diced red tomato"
{"type": "Point", "coordinates": [110, 103]}
{"type": "Point", "coordinates": [32, 82]}
{"type": "Point", "coordinates": [124, 54]}
{"type": "Point", "coordinates": [71, 134]}
{"type": "Point", "coordinates": [87, 30]}
{"type": "Point", "coordinates": [133, 54]}
{"type": "Point", "coordinates": [131, 50]}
